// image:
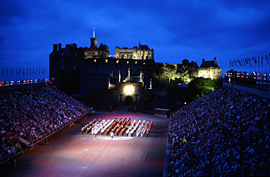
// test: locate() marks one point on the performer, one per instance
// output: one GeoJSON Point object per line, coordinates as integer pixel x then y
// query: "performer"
{"type": "Point", "coordinates": [112, 134]}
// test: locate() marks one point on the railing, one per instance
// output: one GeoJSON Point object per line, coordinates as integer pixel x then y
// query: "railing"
{"type": "Point", "coordinates": [9, 157]}
{"type": "Point", "coordinates": [264, 87]}
{"type": "Point", "coordinates": [31, 144]}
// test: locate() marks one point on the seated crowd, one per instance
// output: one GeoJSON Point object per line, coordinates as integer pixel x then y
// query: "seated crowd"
{"type": "Point", "coordinates": [225, 133]}
{"type": "Point", "coordinates": [30, 114]}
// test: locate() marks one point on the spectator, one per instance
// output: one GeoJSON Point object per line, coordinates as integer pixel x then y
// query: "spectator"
{"type": "Point", "coordinates": [225, 133]}
{"type": "Point", "coordinates": [29, 114]}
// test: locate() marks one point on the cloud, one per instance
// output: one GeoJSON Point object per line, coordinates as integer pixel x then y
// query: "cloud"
{"type": "Point", "coordinates": [175, 29]}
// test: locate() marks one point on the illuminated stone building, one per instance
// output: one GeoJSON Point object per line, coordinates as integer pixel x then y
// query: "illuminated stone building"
{"type": "Point", "coordinates": [138, 53]}
{"type": "Point", "coordinates": [93, 73]}
{"type": "Point", "coordinates": [96, 52]}
{"type": "Point", "coordinates": [191, 66]}
{"type": "Point", "coordinates": [97, 77]}
{"type": "Point", "coordinates": [65, 67]}
{"type": "Point", "coordinates": [210, 69]}
{"type": "Point", "coordinates": [131, 88]}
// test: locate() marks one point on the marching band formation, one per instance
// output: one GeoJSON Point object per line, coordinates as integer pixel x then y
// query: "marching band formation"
{"type": "Point", "coordinates": [118, 127]}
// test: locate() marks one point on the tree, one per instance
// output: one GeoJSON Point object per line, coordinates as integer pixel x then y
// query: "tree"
{"type": "Point", "coordinates": [170, 72]}
{"type": "Point", "coordinates": [201, 86]}
{"type": "Point", "coordinates": [159, 69]}
{"type": "Point", "coordinates": [184, 76]}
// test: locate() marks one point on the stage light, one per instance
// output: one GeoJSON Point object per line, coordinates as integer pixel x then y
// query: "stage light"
{"type": "Point", "coordinates": [128, 90]}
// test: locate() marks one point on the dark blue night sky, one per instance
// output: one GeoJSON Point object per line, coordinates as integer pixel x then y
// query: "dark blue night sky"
{"type": "Point", "coordinates": [175, 29]}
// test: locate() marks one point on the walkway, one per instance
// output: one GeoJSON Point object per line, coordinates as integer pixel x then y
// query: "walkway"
{"type": "Point", "coordinates": [262, 93]}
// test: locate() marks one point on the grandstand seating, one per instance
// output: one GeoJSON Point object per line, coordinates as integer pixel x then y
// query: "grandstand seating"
{"type": "Point", "coordinates": [225, 133]}
{"type": "Point", "coordinates": [28, 115]}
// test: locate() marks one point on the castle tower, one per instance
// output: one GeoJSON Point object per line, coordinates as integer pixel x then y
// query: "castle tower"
{"type": "Point", "coordinates": [119, 77]}
{"type": "Point", "coordinates": [94, 40]}
{"type": "Point", "coordinates": [128, 74]}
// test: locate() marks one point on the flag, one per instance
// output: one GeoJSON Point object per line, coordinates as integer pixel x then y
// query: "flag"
{"type": "Point", "coordinates": [246, 61]}
{"type": "Point", "coordinates": [267, 58]}
{"type": "Point", "coordinates": [254, 59]}
{"type": "Point", "coordinates": [262, 60]}
{"type": "Point", "coordinates": [239, 61]}
{"type": "Point", "coordinates": [235, 62]}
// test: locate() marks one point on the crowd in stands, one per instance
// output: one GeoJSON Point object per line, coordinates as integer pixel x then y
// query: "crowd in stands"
{"type": "Point", "coordinates": [30, 114]}
{"type": "Point", "coordinates": [225, 133]}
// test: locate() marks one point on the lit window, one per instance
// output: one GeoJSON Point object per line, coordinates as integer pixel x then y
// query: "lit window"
{"type": "Point", "coordinates": [136, 62]}
{"type": "Point", "coordinates": [117, 61]}
{"type": "Point", "coordinates": [143, 63]}
{"type": "Point", "coordinates": [95, 60]}
{"type": "Point", "coordinates": [106, 61]}
{"type": "Point", "coordinates": [127, 62]}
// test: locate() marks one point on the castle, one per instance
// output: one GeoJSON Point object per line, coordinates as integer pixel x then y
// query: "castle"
{"type": "Point", "coordinates": [209, 69]}
{"type": "Point", "coordinates": [123, 77]}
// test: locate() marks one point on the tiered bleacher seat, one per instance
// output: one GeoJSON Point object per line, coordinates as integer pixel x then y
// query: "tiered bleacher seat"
{"type": "Point", "coordinates": [225, 133]}
{"type": "Point", "coordinates": [27, 115]}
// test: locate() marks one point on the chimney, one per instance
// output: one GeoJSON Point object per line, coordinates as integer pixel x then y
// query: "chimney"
{"type": "Point", "coordinates": [203, 60]}
{"type": "Point", "coordinates": [215, 60]}
{"type": "Point", "coordinates": [54, 47]}
{"type": "Point", "coordinates": [59, 46]}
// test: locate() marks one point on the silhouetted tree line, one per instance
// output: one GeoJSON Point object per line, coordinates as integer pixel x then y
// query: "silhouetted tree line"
{"type": "Point", "coordinates": [198, 87]}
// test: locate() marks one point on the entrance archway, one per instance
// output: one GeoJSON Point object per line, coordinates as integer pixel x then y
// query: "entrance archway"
{"type": "Point", "coordinates": [128, 100]}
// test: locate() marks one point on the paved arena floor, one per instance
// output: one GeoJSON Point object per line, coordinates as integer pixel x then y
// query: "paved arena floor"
{"type": "Point", "coordinates": [71, 154]}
